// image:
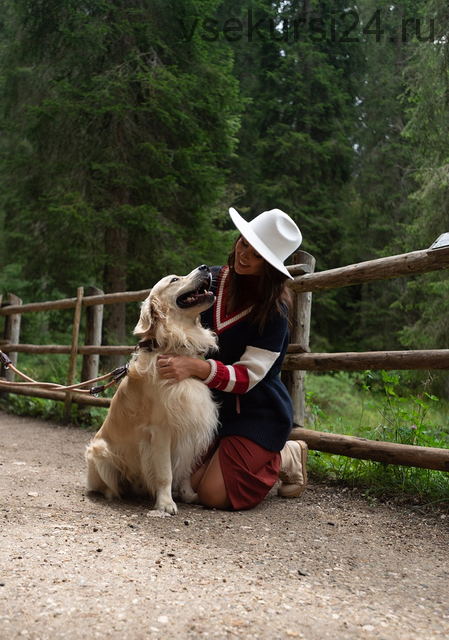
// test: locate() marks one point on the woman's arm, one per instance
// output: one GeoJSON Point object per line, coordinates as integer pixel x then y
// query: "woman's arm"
{"type": "Point", "coordinates": [176, 368]}
{"type": "Point", "coordinates": [243, 375]}
{"type": "Point", "coordinates": [256, 361]}
{"type": "Point", "coordinates": [239, 377]}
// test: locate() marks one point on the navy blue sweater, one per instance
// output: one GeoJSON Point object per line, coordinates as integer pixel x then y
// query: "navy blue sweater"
{"type": "Point", "coordinates": [245, 375]}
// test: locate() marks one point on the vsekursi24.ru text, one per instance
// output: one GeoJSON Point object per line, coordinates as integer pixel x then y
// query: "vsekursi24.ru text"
{"type": "Point", "coordinates": [339, 26]}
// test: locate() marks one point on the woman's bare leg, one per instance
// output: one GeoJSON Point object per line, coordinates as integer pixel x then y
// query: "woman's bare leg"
{"type": "Point", "coordinates": [195, 478]}
{"type": "Point", "coordinates": [211, 488]}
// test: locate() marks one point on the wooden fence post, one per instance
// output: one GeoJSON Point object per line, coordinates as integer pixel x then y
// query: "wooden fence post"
{"type": "Point", "coordinates": [92, 336]}
{"type": "Point", "coordinates": [11, 334]}
{"type": "Point", "coordinates": [73, 352]}
{"type": "Point", "coordinates": [300, 335]}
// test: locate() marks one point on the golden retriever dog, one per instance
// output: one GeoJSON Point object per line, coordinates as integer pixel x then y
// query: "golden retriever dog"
{"type": "Point", "coordinates": [156, 431]}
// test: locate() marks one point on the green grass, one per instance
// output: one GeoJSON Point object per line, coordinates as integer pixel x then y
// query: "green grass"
{"type": "Point", "coordinates": [378, 406]}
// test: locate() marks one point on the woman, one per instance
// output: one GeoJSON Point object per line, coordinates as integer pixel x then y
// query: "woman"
{"type": "Point", "coordinates": [250, 318]}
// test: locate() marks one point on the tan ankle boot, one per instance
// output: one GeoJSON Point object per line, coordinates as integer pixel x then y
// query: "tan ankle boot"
{"type": "Point", "coordinates": [293, 473]}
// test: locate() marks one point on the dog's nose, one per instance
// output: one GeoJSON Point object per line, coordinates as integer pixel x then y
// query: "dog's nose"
{"type": "Point", "coordinates": [203, 267]}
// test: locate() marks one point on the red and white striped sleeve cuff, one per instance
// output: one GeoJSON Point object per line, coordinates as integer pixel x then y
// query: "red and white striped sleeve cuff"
{"type": "Point", "coordinates": [243, 375]}
{"type": "Point", "coordinates": [231, 378]}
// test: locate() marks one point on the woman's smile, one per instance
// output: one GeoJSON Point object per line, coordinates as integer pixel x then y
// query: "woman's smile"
{"type": "Point", "coordinates": [247, 260]}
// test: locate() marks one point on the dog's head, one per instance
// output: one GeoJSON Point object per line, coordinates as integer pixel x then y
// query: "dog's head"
{"type": "Point", "coordinates": [175, 303]}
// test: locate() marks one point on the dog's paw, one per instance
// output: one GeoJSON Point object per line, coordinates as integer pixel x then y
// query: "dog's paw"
{"type": "Point", "coordinates": [185, 492]}
{"type": "Point", "coordinates": [166, 505]}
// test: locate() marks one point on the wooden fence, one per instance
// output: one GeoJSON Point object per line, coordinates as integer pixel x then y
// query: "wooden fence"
{"type": "Point", "coordinates": [297, 361]}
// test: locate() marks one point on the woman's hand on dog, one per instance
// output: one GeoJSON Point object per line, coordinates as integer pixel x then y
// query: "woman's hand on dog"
{"type": "Point", "coordinates": [176, 368]}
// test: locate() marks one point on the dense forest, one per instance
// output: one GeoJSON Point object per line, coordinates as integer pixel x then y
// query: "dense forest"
{"type": "Point", "coordinates": [127, 129]}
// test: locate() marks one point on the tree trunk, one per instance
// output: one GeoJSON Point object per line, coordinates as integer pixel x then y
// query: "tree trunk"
{"type": "Point", "coordinates": [116, 245]}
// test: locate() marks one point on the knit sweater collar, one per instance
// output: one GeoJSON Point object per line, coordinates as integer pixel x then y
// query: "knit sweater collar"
{"type": "Point", "coordinates": [222, 319]}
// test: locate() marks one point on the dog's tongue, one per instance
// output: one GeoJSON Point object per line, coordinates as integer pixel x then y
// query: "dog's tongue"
{"type": "Point", "coordinates": [195, 296]}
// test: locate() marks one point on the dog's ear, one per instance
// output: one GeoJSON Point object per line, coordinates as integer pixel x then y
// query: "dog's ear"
{"type": "Point", "coordinates": [144, 323]}
{"type": "Point", "coordinates": [151, 313]}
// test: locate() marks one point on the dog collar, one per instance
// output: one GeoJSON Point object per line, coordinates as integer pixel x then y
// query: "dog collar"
{"type": "Point", "coordinates": [148, 345]}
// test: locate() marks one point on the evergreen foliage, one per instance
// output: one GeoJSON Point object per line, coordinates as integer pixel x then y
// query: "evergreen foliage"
{"type": "Point", "coordinates": [383, 171]}
{"type": "Point", "coordinates": [427, 297]}
{"type": "Point", "coordinates": [128, 128]}
{"type": "Point", "coordinates": [117, 137]}
{"type": "Point", "coordinates": [295, 148]}
{"type": "Point", "coordinates": [300, 81]}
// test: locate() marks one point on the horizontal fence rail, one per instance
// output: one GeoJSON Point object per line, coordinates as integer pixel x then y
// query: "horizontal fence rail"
{"type": "Point", "coordinates": [379, 451]}
{"type": "Point", "coordinates": [359, 361]}
{"type": "Point", "coordinates": [66, 349]}
{"type": "Point", "coordinates": [413, 263]}
{"type": "Point", "coordinates": [436, 359]}
{"type": "Point", "coordinates": [406, 264]}
{"type": "Point", "coordinates": [70, 303]}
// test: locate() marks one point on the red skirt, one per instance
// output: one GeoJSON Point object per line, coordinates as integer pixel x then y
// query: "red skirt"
{"type": "Point", "coordinates": [249, 470]}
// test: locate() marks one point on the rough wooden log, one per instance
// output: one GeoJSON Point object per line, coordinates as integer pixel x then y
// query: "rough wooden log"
{"type": "Point", "coordinates": [375, 360]}
{"type": "Point", "coordinates": [296, 359]}
{"type": "Point", "coordinates": [381, 269]}
{"type": "Point", "coordinates": [405, 264]}
{"type": "Point", "coordinates": [12, 333]}
{"type": "Point", "coordinates": [108, 350]}
{"type": "Point", "coordinates": [300, 334]}
{"type": "Point", "coordinates": [65, 349]}
{"type": "Point", "coordinates": [385, 452]}
{"type": "Point", "coordinates": [299, 268]}
{"type": "Point", "coordinates": [70, 303]}
{"type": "Point", "coordinates": [78, 398]}
{"type": "Point", "coordinates": [73, 352]}
{"type": "Point", "coordinates": [92, 337]}
{"type": "Point", "coordinates": [298, 348]}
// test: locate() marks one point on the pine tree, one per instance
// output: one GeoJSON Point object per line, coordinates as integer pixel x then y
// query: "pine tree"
{"type": "Point", "coordinates": [384, 168]}
{"type": "Point", "coordinates": [427, 298]}
{"type": "Point", "coordinates": [118, 131]}
{"type": "Point", "coordinates": [299, 81]}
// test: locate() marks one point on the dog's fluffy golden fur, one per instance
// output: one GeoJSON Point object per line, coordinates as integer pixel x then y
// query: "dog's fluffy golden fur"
{"type": "Point", "coordinates": [156, 431]}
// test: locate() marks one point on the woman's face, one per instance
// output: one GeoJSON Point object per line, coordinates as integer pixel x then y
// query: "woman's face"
{"type": "Point", "coordinates": [247, 261]}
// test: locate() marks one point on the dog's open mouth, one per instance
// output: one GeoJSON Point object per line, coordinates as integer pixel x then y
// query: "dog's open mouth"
{"type": "Point", "coordinates": [199, 296]}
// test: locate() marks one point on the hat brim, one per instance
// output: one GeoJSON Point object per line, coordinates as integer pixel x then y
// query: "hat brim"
{"type": "Point", "coordinates": [260, 247]}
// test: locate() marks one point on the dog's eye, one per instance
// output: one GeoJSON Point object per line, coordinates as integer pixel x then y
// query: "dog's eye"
{"type": "Point", "coordinates": [174, 280]}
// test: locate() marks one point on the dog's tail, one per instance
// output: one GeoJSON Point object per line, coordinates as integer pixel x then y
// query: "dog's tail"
{"type": "Point", "coordinates": [103, 470]}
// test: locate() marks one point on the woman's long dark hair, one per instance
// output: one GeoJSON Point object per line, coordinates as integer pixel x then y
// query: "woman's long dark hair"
{"type": "Point", "coordinates": [273, 295]}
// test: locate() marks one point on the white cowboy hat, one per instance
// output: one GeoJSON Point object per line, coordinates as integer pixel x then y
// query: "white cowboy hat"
{"type": "Point", "coordinates": [273, 234]}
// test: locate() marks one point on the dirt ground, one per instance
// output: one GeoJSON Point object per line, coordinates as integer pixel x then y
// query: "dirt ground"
{"type": "Point", "coordinates": [328, 565]}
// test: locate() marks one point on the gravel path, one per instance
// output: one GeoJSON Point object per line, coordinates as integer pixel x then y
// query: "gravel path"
{"type": "Point", "coordinates": [327, 565]}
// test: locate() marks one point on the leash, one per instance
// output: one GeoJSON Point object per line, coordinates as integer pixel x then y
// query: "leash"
{"type": "Point", "coordinates": [117, 374]}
